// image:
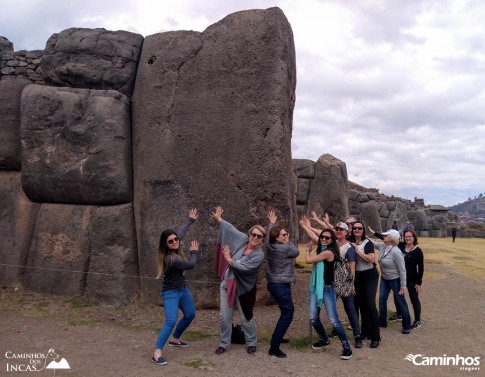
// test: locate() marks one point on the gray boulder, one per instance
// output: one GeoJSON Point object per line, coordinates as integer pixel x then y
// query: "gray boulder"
{"type": "Point", "coordinates": [5, 45]}
{"type": "Point", "coordinates": [328, 191]}
{"type": "Point", "coordinates": [10, 94]}
{"type": "Point", "coordinates": [76, 145]}
{"type": "Point", "coordinates": [59, 253]}
{"type": "Point", "coordinates": [212, 119]}
{"type": "Point", "coordinates": [17, 220]}
{"type": "Point", "coordinates": [113, 267]}
{"type": "Point", "coordinates": [92, 59]}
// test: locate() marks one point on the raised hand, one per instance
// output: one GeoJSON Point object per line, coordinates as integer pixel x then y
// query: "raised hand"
{"type": "Point", "coordinates": [193, 214]}
{"type": "Point", "coordinates": [272, 217]}
{"type": "Point", "coordinates": [217, 214]}
{"type": "Point", "coordinates": [226, 253]}
{"type": "Point", "coordinates": [194, 246]}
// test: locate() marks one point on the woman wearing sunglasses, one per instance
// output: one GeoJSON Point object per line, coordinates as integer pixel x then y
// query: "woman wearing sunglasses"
{"type": "Point", "coordinates": [322, 291]}
{"type": "Point", "coordinates": [238, 259]}
{"type": "Point", "coordinates": [366, 281]}
{"type": "Point", "coordinates": [172, 263]}
{"type": "Point", "coordinates": [280, 274]}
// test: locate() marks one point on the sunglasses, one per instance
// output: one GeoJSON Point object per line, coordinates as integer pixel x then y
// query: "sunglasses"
{"type": "Point", "coordinates": [325, 238]}
{"type": "Point", "coordinates": [349, 224]}
{"type": "Point", "coordinates": [173, 240]}
{"type": "Point", "coordinates": [357, 228]}
{"type": "Point", "coordinates": [257, 236]}
{"type": "Point", "coordinates": [284, 235]}
{"type": "Point", "coordinates": [339, 229]}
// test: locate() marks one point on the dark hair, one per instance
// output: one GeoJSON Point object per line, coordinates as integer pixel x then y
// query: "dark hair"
{"type": "Point", "coordinates": [274, 233]}
{"type": "Point", "coordinates": [352, 236]}
{"type": "Point", "coordinates": [164, 252]}
{"type": "Point", "coordinates": [415, 237]}
{"type": "Point", "coordinates": [332, 246]}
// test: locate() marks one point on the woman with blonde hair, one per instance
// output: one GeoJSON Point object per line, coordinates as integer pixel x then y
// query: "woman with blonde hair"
{"type": "Point", "coordinates": [238, 259]}
{"type": "Point", "coordinates": [393, 277]}
{"type": "Point", "coordinates": [172, 263]}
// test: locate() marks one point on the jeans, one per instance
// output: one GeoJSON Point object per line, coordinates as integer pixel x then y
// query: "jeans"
{"type": "Point", "coordinates": [330, 302]}
{"type": "Point", "coordinates": [281, 292]}
{"type": "Point", "coordinates": [402, 306]}
{"type": "Point", "coordinates": [172, 301]}
{"type": "Point", "coordinates": [365, 301]}
{"type": "Point", "coordinates": [349, 307]}
{"type": "Point", "coordinates": [226, 317]}
{"type": "Point", "coordinates": [414, 297]}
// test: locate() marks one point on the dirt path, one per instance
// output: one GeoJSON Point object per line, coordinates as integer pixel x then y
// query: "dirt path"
{"type": "Point", "coordinates": [106, 341]}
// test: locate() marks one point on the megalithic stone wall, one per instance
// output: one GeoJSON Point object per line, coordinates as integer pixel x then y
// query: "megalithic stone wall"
{"type": "Point", "coordinates": [212, 123]}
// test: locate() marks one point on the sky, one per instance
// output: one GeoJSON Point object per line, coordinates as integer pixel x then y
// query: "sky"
{"type": "Point", "coordinates": [395, 89]}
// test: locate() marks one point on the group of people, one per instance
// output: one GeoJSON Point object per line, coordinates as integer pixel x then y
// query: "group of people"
{"type": "Point", "coordinates": [239, 257]}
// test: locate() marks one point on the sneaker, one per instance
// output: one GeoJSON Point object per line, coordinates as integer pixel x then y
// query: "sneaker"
{"type": "Point", "coordinates": [395, 317]}
{"type": "Point", "coordinates": [276, 352]}
{"type": "Point", "coordinates": [333, 333]}
{"type": "Point", "coordinates": [358, 342]}
{"type": "Point", "coordinates": [346, 354]}
{"type": "Point", "coordinates": [374, 344]}
{"type": "Point", "coordinates": [406, 331]}
{"type": "Point", "coordinates": [159, 361]}
{"type": "Point", "coordinates": [178, 344]}
{"type": "Point", "coordinates": [416, 325]}
{"type": "Point", "coordinates": [320, 344]}
{"type": "Point", "coordinates": [251, 350]}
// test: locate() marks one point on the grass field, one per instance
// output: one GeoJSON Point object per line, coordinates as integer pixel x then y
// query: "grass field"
{"type": "Point", "coordinates": [466, 255]}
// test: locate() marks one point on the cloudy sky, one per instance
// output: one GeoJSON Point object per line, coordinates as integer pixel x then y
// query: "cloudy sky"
{"type": "Point", "coordinates": [396, 89]}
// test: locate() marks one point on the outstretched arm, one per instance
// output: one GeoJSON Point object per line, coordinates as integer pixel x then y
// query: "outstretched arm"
{"type": "Point", "coordinates": [305, 224]}
{"type": "Point", "coordinates": [217, 214]}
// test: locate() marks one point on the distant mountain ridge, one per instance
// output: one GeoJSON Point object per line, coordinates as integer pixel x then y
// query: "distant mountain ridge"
{"type": "Point", "coordinates": [472, 209]}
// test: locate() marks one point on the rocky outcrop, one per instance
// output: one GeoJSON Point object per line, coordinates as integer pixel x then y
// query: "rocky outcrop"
{"type": "Point", "coordinates": [10, 94]}
{"type": "Point", "coordinates": [212, 118]}
{"type": "Point", "coordinates": [76, 146]}
{"type": "Point", "coordinates": [92, 59]}
{"type": "Point", "coordinates": [322, 187]}
{"type": "Point", "coordinates": [210, 125]}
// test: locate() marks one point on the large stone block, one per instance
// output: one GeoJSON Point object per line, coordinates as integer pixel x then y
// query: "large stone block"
{"type": "Point", "coordinates": [59, 253]}
{"type": "Point", "coordinates": [212, 121]}
{"type": "Point", "coordinates": [304, 168]}
{"type": "Point", "coordinates": [328, 191]}
{"type": "Point", "coordinates": [76, 145]}
{"type": "Point", "coordinates": [17, 220]}
{"type": "Point", "coordinates": [10, 94]}
{"type": "Point", "coordinates": [113, 268]}
{"type": "Point", "coordinates": [92, 59]}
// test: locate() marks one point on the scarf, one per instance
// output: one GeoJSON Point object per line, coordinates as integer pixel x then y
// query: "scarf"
{"type": "Point", "coordinates": [316, 282]}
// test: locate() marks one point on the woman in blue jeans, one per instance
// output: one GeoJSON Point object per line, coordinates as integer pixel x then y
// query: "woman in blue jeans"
{"type": "Point", "coordinates": [280, 274]}
{"type": "Point", "coordinates": [172, 263]}
{"type": "Point", "coordinates": [393, 277]}
{"type": "Point", "coordinates": [322, 291]}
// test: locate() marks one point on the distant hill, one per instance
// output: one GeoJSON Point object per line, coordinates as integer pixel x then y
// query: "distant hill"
{"type": "Point", "coordinates": [472, 209]}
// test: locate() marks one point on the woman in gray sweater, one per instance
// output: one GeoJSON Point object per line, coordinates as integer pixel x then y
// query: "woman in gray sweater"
{"type": "Point", "coordinates": [393, 277]}
{"type": "Point", "coordinates": [280, 273]}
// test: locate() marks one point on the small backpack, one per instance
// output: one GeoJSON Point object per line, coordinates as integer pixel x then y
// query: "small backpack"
{"type": "Point", "coordinates": [343, 281]}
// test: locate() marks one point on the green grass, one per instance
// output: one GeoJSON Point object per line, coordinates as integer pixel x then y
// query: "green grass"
{"type": "Point", "coordinates": [78, 302]}
{"type": "Point", "coordinates": [199, 363]}
{"type": "Point", "coordinates": [466, 256]}
{"type": "Point", "coordinates": [191, 335]}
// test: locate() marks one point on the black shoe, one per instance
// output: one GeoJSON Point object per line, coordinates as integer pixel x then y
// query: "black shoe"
{"type": "Point", "coordinates": [416, 325]}
{"type": "Point", "coordinates": [320, 344]}
{"type": "Point", "coordinates": [358, 342]}
{"type": "Point", "coordinates": [395, 317]}
{"type": "Point", "coordinates": [406, 331]}
{"type": "Point", "coordinates": [285, 341]}
{"type": "Point", "coordinates": [346, 354]}
{"type": "Point", "coordinates": [333, 333]}
{"type": "Point", "coordinates": [374, 344]}
{"type": "Point", "coordinates": [277, 352]}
